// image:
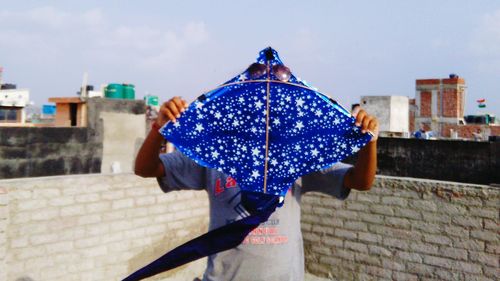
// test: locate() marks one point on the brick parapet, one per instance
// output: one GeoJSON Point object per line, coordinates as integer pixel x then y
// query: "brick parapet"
{"type": "Point", "coordinates": [101, 227]}
{"type": "Point", "coordinates": [3, 236]}
{"type": "Point", "coordinates": [94, 227]}
{"type": "Point", "coordinates": [404, 229]}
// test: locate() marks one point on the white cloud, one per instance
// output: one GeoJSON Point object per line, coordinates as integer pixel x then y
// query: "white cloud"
{"type": "Point", "coordinates": [92, 18]}
{"type": "Point", "coordinates": [47, 16]}
{"type": "Point", "coordinates": [171, 47]}
{"type": "Point", "coordinates": [54, 33]}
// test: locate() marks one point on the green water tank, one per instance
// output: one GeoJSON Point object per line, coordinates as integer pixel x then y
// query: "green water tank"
{"type": "Point", "coordinates": [151, 100]}
{"type": "Point", "coordinates": [128, 91]}
{"type": "Point", "coordinates": [114, 91]}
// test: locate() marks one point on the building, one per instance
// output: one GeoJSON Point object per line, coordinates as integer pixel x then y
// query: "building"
{"type": "Point", "coordinates": [439, 104]}
{"type": "Point", "coordinates": [439, 107]}
{"type": "Point", "coordinates": [70, 112]}
{"type": "Point", "coordinates": [391, 111]}
{"type": "Point", "coordinates": [12, 106]}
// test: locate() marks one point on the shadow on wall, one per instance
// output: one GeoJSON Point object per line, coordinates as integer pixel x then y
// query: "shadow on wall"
{"type": "Point", "coordinates": [166, 243]}
{"type": "Point", "coordinates": [24, 278]}
{"type": "Point", "coordinates": [137, 146]}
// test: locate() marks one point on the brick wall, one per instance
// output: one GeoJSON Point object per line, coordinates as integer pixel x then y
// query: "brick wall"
{"type": "Point", "coordinates": [116, 129]}
{"type": "Point", "coordinates": [450, 103]}
{"type": "Point", "coordinates": [102, 227]}
{"type": "Point", "coordinates": [450, 160]}
{"type": "Point", "coordinates": [32, 152]}
{"type": "Point", "coordinates": [466, 131]}
{"type": "Point", "coordinates": [3, 238]}
{"type": "Point", "coordinates": [404, 229]}
{"type": "Point", "coordinates": [411, 116]}
{"type": "Point", "coordinates": [94, 227]}
{"type": "Point", "coordinates": [425, 104]}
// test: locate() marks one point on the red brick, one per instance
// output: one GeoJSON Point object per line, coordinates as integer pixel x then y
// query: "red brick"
{"type": "Point", "coordinates": [427, 81]}
{"type": "Point", "coordinates": [425, 104]}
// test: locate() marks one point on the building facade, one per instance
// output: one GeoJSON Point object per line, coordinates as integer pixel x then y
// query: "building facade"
{"type": "Point", "coordinates": [439, 107]}
{"type": "Point", "coordinates": [439, 104]}
{"type": "Point", "coordinates": [12, 105]}
{"type": "Point", "coordinates": [391, 111]}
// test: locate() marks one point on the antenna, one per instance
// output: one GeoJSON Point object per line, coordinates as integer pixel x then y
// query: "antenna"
{"type": "Point", "coordinates": [83, 93]}
{"type": "Point", "coordinates": [1, 72]}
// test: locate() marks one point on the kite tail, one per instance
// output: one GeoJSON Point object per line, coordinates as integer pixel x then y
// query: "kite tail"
{"type": "Point", "coordinates": [217, 240]}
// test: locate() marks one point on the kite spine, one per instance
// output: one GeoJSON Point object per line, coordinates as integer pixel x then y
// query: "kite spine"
{"type": "Point", "coordinates": [267, 129]}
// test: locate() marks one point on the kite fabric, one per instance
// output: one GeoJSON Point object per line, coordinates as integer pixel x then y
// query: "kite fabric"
{"type": "Point", "coordinates": [226, 129]}
{"type": "Point", "coordinates": [265, 128]}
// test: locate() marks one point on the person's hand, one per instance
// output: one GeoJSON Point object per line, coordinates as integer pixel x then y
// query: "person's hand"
{"type": "Point", "coordinates": [367, 122]}
{"type": "Point", "coordinates": [171, 110]}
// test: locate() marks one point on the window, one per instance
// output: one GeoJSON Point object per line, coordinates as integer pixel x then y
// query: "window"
{"type": "Point", "coordinates": [8, 115]}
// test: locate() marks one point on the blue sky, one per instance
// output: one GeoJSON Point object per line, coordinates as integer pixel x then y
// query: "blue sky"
{"type": "Point", "coordinates": [345, 48]}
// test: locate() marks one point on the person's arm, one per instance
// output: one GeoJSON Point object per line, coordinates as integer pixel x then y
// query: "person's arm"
{"type": "Point", "coordinates": [147, 162]}
{"type": "Point", "coordinates": [361, 176]}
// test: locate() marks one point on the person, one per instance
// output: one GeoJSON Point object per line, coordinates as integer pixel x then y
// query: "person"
{"type": "Point", "coordinates": [274, 250]}
{"type": "Point", "coordinates": [477, 135]}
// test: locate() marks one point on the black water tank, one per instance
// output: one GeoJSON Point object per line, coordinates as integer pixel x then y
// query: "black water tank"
{"type": "Point", "coordinates": [9, 86]}
{"type": "Point", "coordinates": [494, 138]}
{"type": "Point", "coordinates": [480, 119]}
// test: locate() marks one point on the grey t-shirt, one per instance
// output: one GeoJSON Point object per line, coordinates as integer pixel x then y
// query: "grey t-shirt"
{"type": "Point", "coordinates": [274, 250]}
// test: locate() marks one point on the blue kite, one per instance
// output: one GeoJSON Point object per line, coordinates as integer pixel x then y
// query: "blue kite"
{"type": "Point", "coordinates": [265, 128]}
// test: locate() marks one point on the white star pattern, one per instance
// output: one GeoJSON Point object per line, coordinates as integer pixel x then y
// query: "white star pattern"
{"type": "Point", "coordinates": [258, 104]}
{"type": "Point", "coordinates": [226, 130]}
{"type": "Point", "coordinates": [199, 127]}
